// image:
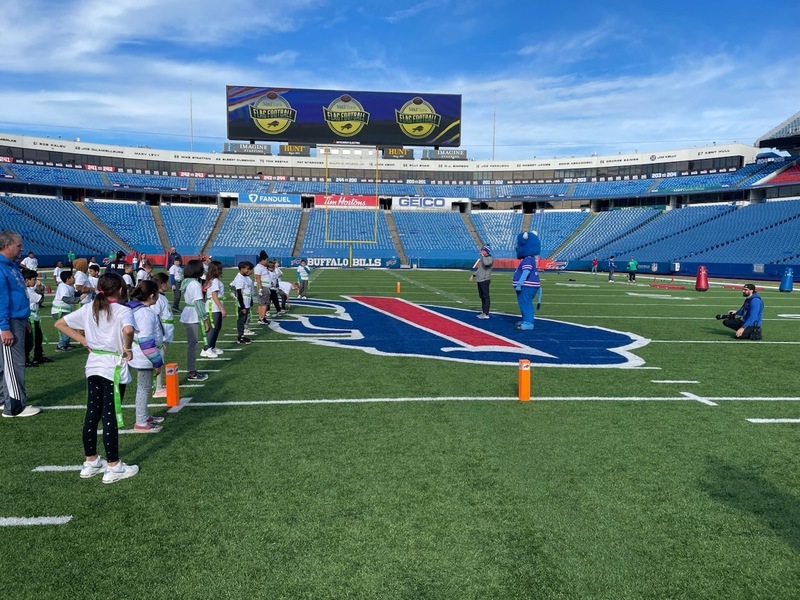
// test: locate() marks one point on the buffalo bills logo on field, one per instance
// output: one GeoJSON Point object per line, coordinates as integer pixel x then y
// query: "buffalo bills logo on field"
{"type": "Point", "coordinates": [396, 327]}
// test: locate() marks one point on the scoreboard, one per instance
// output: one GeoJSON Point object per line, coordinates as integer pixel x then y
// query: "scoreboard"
{"type": "Point", "coordinates": [306, 116]}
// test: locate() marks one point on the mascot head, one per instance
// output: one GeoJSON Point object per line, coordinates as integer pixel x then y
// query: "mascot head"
{"type": "Point", "coordinates": [527, 244]}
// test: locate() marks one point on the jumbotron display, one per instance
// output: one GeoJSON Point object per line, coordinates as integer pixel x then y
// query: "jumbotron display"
{"type": "Point", "coordinates": [306, 116]}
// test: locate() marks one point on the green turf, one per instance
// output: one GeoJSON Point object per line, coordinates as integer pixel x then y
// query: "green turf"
{"type": "Point", "coordinates": [559, 498]}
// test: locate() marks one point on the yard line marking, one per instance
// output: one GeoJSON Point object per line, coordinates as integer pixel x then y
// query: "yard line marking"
{"type": "Point", "coordinates": [673, 381]}
{"type": "Point", "coordinates": [199, 358]}
{"type": "Point", "coordinates": [717, 342]}
{"type": "Point", "coordinates": [183, 402]}
{"type": "Point", "coordinates": [204, 371]}
{"type": "Point", "coordinates": [56, 468]}
{"type": "Point", "coordinates": [699, 399]}
{"type": "Point", "coordinates": [25, 521]}
{"type": "Point", "coordinates": [774, 420]}
{"type": "Point", "coordinates": [686, 396]}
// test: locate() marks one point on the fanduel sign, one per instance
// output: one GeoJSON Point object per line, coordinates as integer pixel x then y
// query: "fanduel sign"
{"type": "Point", "coordinates": [254, 199]}
{"type": "Point", "coordinates": [421, 203]}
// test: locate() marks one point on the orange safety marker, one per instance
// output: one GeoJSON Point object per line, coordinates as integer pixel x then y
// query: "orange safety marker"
{"type": "Point", "coordinates": [524, 380]}
{"type": "Point", "coordinates": [171, 379]}
{"type": "Point", "coordinates": [398, 287]}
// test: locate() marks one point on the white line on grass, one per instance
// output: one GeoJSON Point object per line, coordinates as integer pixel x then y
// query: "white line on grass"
{"type": "Point", "coordinates": [685, 397]}
{"type": "Point", "coordinates": [204, 370]}
{"type": "Point", "coordinates": [759, 421]}
{"type": "Point", "coordinates": [673, 381]}
{"type": "Point", "coordinates": [199, 358]}
{"type": "Point", "coordinates": [743, 342]}
{"type": "Point", "coordinates": [183, 402]}
{"type": "Point", "coordinates": [699, 399]}
{"type": "Point", "coordinates": [24, 521]}
{"type": "Point", "coordinates": [56, 468]}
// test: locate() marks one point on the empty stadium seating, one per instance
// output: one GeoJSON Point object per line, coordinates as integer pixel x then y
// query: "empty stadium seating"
{"type": "Point", "coordinates": [328, 232]}
{"type": "Point", "coordinates": [441, 234]}
{"type": "Point", "coordinates": [131, 221]}
{"type": "Point", "coordinates": [249, 230]}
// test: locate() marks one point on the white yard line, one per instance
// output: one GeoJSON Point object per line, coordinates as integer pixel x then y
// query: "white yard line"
{"type": "Point", "coordinates": [761, 421]}
{"type": "Point", "coordinates": [27, 521]}
{"type": "Point", "coordinates": [705, 401]}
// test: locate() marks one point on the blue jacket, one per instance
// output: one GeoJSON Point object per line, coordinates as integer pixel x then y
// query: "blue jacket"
{"type": "Point", "coordinates": [14, 303]}
{"type": "Point", "coordinates": [752, 311]}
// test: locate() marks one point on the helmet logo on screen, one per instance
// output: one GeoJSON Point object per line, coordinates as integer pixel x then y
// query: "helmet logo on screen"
{"type": "Point", "coordinates": [272, 113]}
{"type": "Point", "coordinates": [417, 118]}
{"type": "Point", "coordinates": [345, 116]}
{"type": "Point", "coordinates": [387, 326]}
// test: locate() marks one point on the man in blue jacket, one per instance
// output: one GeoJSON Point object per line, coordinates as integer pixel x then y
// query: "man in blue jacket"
{"type": "Point", "coordinates": [747, 320]}
{"type": "Point", "coordinates": [14, 312]}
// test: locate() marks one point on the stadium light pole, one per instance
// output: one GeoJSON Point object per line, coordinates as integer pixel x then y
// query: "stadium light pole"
{"type": "Point", "coordinates": [191, 120]}
{"type": "Point", "coordinates": [494, 123]}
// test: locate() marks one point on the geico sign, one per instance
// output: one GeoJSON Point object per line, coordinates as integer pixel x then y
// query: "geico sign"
{"type": "Point", "coordinates": [417, 202]}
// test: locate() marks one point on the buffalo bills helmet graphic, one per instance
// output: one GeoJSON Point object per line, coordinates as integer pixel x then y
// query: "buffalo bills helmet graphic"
{"type": "Point", "coordinates": [396, 327]}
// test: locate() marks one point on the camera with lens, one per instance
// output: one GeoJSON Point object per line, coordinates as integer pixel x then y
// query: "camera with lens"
{"type": "Point", "coordinates": [720, 317]}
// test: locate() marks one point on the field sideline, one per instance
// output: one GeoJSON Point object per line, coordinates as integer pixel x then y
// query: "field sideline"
{"type": "Point", "coordinates": [308, 467]}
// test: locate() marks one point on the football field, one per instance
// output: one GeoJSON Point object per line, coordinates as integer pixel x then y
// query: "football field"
{"type": "Point", "coordinates": [370, 444]}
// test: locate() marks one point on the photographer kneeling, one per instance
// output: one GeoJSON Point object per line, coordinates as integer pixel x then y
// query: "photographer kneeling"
{"type": "Point", "coordinates": [747, 320]}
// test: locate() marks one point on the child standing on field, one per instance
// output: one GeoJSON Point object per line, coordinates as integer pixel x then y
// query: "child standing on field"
{"type": "Point", "coordinates": [164, 311]}
{"type": "Point", "coordinates": [303, 273]}
{"type": "Point", "coordinates": [63, 301]}
{"type": "Point", "coordinates": [147, 358]}
{"type": "Point", "coordinates": [214, 308]}
{"type": "Point", "coordinates": [193, 316]}
{"type": "Point", "coordinates": [243, 286]}
{"type": "Point", "coordinates": [105, 328]}
{"type": "Point", "coordinates": [34, 337]}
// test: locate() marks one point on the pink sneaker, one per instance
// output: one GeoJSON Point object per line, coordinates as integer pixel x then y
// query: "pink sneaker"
{"type": "Point", "coordinates": [160, 393]}
{"type": "Point", "coordinates": [147, 428]}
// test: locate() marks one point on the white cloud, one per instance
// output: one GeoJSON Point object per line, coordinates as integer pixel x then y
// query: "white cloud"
{"type": "Point", "coordinates": [286, 57]}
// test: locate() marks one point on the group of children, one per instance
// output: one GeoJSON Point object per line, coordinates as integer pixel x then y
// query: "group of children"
{"type": "Point", "coordinates": [128, 329]}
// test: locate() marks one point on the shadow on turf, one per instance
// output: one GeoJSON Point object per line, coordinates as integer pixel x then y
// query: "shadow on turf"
{"type": "Point", "coordinates": [747, 491]}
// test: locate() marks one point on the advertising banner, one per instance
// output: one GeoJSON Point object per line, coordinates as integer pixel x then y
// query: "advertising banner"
{"type": "Point", "coordinates": [335, 201]}
{"type": "Point", "coordinates": [232, 148]}
{"type": "Point", "coordinates": [428, 203]}
{"type": "Point", "coordinates": [307, 116]}
{"type": "Point", "coordinates": [254, 199]}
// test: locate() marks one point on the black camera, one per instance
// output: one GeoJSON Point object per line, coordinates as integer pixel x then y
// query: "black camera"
{"type": "Point", "coordinates": [720, 317]}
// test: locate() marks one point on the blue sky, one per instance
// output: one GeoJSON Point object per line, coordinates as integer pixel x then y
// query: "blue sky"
{"type": "Point", "coordinates": [567, 78]}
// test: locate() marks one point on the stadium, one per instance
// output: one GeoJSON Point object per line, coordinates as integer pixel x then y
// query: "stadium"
{"type": "Point", "coordinates": [730, 207]}
{"type": "Point", "coordinates": [372, 442]}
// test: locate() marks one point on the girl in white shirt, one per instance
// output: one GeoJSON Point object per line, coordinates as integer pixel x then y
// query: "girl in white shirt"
{"type": "Point", "coordinates": [193, 316]}
{"type": "Point", "coordinates": [214, 309]}
{"type": "Point", "coordinates": [164, 311]}
{"type": "Point", "coordinates": [105, 327]}
{"type": "Point", "coordinates": [147, 359]}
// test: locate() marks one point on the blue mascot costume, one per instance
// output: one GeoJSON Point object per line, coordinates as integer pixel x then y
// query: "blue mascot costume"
{"type": "Point", "coordinates": [526, 277]}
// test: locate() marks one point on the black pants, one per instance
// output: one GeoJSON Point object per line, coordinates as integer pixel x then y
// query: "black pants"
{"type": "Point", "coordinates": [241, 321]}
{"type": "Point", "coordinates": [631, 275]}
{"type": "Point", "coordinates": [33, 341]}
{"type": "Point", "coordinates": [750, 333]}
{"type": "Point", "coordinates": [483, 294]}
{"type": "Point", "coordinates": [100, 405]}
{"type": "Point", "coordinates": [274, 299]}
{"type": "Point", "coordinates": [213, 333]}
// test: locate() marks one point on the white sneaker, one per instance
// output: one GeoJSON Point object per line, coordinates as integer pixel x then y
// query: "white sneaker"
{"type": "Point", "coordinates": [208, 353]}
{"type": "Point", "coordinates": [483, 316]}
{"type": "Point", "coordinates": [28, 411]}
{"type": "Point", "coordinates": [217, 351]}
{"type": "Point", "coordinates": [90, 469]}
{"type": "Point", "coordinates": [118, 472]}
{"type": "Point", "coordinates": [248, 331]}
